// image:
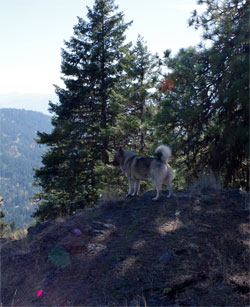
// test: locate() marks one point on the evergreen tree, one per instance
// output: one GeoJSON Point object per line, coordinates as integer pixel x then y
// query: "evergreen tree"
{"type": "Point", "coordinates": [135, 99]}
{"type": "Point", "coordinates": [183, 113]}
{"type": "Point", "coordinates": [144, 73]}
{"type": "Point", "coordinates": [226, 24]}
{"type": "Point", "coordinates": [92, 66]}
{"type": "Point", "coordinates": [206, 114]}
{"type": "Point", "coordinates": [4, 227]}
{"type": "Point", "coordinates": [132, 100]}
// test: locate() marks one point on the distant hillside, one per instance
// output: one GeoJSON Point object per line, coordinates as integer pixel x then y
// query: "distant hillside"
{"type": "Point", "coordinates": [19, 154]}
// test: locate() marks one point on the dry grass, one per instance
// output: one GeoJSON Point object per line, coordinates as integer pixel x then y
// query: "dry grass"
{"type": "Point", "coordinates": [206, 183]}
{"type": "Point", "coordinates": [18, 234]}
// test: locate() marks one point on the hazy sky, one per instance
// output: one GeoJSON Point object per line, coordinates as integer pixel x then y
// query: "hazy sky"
{"type": "Point", "coordinates": [32, 34]}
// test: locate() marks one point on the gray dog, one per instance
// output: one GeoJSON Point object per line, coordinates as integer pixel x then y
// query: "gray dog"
{"type": "Point", "coordinates": [136, 168]}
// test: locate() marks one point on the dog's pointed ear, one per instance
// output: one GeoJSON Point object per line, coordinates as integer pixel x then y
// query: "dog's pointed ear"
{"type": "Point", "coordinates": [120, 151]}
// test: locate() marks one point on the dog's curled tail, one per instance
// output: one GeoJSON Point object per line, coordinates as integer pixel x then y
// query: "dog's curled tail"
{"type": "Point", "coordinates": [163, 153]}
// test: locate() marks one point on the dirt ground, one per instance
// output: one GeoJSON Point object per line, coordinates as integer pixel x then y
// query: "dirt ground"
{"type": "Point", "coordinates": [190, 250]}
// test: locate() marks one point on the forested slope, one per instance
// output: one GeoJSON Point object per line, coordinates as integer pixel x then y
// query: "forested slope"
{"type": "Point", "coordinates": [19, 155]}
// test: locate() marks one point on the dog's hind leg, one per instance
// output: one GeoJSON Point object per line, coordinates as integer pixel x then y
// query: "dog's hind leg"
{"type": "Point", "coordinates": [131, 184]}
{"type": "Point", "coordinates": [136, 187]}
{"type": "Point", "coordinates": [158, 189]}
{"type": "Point", "coordinates": [157, 194]}
{"type": "Point", "coordinates": [167, 182]}
{"type": "Point", "coordinates": [170, 190]}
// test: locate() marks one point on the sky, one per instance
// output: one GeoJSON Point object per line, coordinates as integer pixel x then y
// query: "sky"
{"type": "Point", "coordinates": [33, 32]}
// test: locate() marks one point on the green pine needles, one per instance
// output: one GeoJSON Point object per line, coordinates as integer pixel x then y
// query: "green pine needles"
{"type": "Point", "coordinates": [92, 66]}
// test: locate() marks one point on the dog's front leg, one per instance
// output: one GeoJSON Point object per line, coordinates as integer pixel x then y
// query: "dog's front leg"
{"type": "Point", "coordinates": [136, 187]}
{"type": "Point", "coordinates": [130, 187]}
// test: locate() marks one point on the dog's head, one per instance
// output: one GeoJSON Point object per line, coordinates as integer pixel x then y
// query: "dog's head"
{"type": "Point", "coordinates": [119, 157]}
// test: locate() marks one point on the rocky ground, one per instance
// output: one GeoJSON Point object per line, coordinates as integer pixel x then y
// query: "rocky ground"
{"type": "Point", "coordinates": [190, 250]}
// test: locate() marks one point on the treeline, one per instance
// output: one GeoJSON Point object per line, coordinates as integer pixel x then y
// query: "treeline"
{"type": "Point", "coordinates": [116, 94]}
{"type": "Point", "coordinates": [20, 154]}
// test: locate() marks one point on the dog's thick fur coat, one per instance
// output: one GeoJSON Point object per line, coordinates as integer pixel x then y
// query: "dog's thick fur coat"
{"type": "Point", "coordinates": [136, 168]}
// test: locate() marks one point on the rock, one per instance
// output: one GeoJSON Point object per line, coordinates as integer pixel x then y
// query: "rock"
{"type": "Point", "coordinates": [94, 248]}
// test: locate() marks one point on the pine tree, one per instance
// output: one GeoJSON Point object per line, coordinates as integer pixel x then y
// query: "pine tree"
{"type": "Point", "coordinates": [183, 113]}
{"type": "Point", "coordinates": [144, 73]}
{"type": "Point", "coordinates": [91, 65]}
{"type": "Point", "coordinates": [4, 227]}
{"type": "Point", "coordinates": [225, 23]}
{"type": "Point", "coordinates": [206, 114]}
{"type": "Point", "coordinates": [132, 100]}
{"type": "Point", "coordinates": [134, 97]}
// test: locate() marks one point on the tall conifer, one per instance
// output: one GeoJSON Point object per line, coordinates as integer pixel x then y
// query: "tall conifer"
{"type": "Point", "coordinates": [91, 65]}
{"type": "Point", "coordinates": [133, 101]}
{"type": "Point", "coordinates": [134, 97]}
{"type": "Point", "coordinates": [206, 116]}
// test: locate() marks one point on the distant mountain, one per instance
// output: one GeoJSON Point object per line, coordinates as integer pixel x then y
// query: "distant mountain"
{"type": "Point", "coordinates": [34, 102]}
{"type": "Point", "coordinates": [19, 155]}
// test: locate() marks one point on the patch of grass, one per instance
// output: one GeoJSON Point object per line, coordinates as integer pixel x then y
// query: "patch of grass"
{"type": "Point", "coordinates": [18, 234]}
{"type": "Point", "coordinates": [206, 183]}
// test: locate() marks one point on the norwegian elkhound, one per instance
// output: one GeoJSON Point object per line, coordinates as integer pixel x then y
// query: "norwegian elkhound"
{"type": "Point", "coordinates": [136, 168]}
